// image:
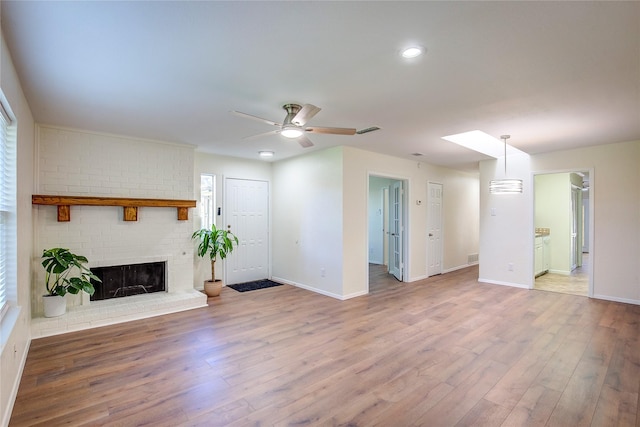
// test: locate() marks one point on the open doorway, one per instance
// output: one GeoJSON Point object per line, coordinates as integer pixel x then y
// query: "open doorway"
{"type": "Point", "coordinates": [386, 228]}
{"type": "Point", "coordinates": [562, 252]}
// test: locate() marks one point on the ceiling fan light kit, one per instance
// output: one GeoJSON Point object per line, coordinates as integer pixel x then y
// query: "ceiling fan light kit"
{"type": "Point", "coordinates": [290, 131]}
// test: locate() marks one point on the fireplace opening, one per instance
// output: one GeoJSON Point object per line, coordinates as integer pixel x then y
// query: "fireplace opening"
{"type": "Point", "coordinates": [126, 280]}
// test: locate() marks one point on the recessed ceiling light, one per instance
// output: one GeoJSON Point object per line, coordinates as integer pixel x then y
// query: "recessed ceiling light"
{"type": "Point", "coordinates": [266, 154]}
{"type": "Point", "coordinates": [412, 52]}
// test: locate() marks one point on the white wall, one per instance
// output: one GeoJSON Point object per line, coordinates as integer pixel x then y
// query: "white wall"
{"type": "Point", "coordinates": [506, 225]}
{"type": "Point", "coordinates": [308, 227]}
{"type": "Point", "coordinates": [15, 334]}
{"type": "Point", "coordinates": [83, 163]}
{"type": "Point", "coordinates": [616, 222]}
{"type": "Point", "coordinates": [222, 167]}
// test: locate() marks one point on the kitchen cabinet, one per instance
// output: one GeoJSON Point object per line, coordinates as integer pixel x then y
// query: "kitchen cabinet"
{"type": "Point", "coordinates": [542, 254]}
{"type": "Point", "coordinates": [546, 253]}
{"type": "Point", "coordinates": [539, 257]}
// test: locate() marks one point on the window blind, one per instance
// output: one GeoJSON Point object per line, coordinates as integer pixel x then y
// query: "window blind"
{"type": "Point", "coordinates": [7, 210]}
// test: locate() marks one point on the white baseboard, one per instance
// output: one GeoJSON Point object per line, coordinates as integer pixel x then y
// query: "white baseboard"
{"type": "Point", "coordinates": [318, 291]}
{"type": "Point", "coordinates": [616, 299]}
{"type": "Point", "coordinates": [460, 267]}
{"type": "Point", "coordinates": [497, 282]}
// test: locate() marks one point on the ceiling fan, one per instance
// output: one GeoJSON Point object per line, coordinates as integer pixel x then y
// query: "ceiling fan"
{"type": "Point", "coordinates": [293, 125]}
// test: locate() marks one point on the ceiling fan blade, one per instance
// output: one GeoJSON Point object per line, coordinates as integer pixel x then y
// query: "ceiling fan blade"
{"type": "Point", "coordinates": [304, 141]}
{"type": "Point", "coordinates": [261, 135]}
{"type": "Point", "coordinates": [305, 114]}
{"type": "Point", "coordinates": [260, 119]}
{"type": "Point", "coordinates": [332, 131]}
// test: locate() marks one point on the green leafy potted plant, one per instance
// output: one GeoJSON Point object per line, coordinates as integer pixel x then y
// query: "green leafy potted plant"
{"type": "Point", "coordinates": [65, 272]}
{"type": "Point", "coordinates": [215, 242]}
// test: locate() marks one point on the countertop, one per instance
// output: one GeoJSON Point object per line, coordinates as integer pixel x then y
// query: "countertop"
{"type": "Point", "coordinates": [542, 232]}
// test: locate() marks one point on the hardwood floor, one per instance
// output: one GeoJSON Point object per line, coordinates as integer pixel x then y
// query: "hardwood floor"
{"type": "Point", "coordinates": [444, 351]}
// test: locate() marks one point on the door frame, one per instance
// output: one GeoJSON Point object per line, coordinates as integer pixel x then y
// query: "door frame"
{"type": "Point", "coordinates": [590, 216]}
{"type": "Point", "coordinates": [406, 185]}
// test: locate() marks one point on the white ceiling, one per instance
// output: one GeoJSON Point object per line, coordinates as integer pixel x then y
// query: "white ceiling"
{"type": "Point", "coordinates": [553, 75]}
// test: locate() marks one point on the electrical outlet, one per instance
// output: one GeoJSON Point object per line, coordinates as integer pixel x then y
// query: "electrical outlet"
{"type": "Point", "coordinates": [510, 266]}
{"type": "Point", "coordinates": [322, 272]}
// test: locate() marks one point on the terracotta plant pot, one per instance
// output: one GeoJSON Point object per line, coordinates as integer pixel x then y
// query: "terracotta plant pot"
{"type": "Point", "coordinates": [54, 305]}
{"type": "Point", "coordinates": [212, 289]}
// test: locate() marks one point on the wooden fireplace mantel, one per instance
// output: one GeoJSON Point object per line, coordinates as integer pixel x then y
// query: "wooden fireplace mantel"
{"type": "Point", "coordinates": [130, 205]}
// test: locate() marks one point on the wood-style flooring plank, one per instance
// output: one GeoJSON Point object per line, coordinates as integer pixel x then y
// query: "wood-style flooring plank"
{"type": "Point", "coordinates": [443, 351]}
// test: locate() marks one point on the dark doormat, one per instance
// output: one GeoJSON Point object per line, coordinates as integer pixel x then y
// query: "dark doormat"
{"type": "Point", "coordinates": [252, 286]}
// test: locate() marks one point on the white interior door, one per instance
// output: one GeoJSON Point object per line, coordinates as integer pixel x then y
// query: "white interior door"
{"type": "Point", "coordinates": [396, 230]}
{"type": "Point", "coordinates": [434, 227]}
{"type": "Point", "coordinates": [247, 206]}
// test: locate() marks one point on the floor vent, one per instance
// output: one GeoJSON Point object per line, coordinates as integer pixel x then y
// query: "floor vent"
{"type": "Point", "coordinates": [472, 259]}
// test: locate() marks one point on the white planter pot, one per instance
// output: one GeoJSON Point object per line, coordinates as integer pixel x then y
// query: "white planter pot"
{"type": "Point", "coordinates": [54, 305]}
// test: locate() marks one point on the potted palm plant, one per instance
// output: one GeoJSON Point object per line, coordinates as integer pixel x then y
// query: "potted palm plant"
{"type": "Point", "coordinates": [65, 272]}
{"type": "Point", "coordinates": [215, 242]}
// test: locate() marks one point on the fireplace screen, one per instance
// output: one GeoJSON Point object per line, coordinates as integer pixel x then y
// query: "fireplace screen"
{"type": "Point", "coordinates": [125, 280]}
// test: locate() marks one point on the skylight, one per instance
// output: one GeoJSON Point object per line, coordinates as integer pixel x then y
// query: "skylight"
{"type": "Point", "coordinates": [481, 142]}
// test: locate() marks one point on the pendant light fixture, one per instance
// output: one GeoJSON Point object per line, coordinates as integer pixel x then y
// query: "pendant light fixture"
{"type": "Point", "coordinates": [505, 185]}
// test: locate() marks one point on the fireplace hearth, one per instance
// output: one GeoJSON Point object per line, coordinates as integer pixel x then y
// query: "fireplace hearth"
{"type": "Point", "coordinates": [125, 280]}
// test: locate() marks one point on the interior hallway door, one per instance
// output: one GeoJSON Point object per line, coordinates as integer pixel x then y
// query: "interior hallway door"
{"type": "Point", "coordinates": [434, 226]}
{"type": "Point", "coordinates": [247, 209]}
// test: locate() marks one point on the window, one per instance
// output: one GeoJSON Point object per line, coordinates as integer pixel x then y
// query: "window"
{"type": "Point", "coordinates": [7, 210]}
{"type": "Point", "coordinates": [207, 200]}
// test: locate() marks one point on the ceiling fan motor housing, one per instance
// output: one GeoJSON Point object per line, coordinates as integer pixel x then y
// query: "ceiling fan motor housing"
{"type": "Point", "coordinates": [292, 110]}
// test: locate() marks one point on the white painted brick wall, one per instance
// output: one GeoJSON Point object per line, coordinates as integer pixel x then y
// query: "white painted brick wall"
{"type": "Point", "coordinates": [80, 163]}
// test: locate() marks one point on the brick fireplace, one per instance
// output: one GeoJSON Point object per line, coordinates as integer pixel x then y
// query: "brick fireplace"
{"type": "Point", "coordinates": [80, 163]}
